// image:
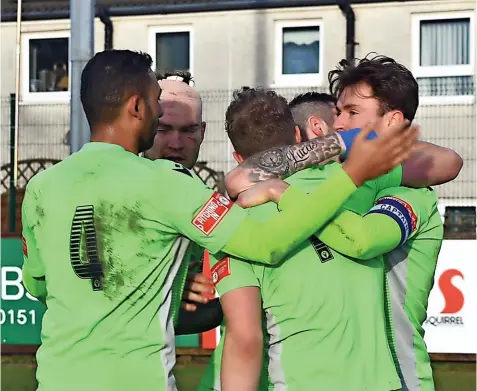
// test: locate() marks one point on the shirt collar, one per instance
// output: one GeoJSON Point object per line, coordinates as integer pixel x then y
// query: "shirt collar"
{"type": "Point", "coordinates": [99, 146]}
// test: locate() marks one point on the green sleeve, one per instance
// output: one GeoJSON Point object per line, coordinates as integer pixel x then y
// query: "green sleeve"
{"type": "Point", "coordinates": [301, 216]}
{"type": "Point", "coordinates": [229, 274]}
{"type": "Point", "coordinates": [183, 204]}
{"type": "Point", "coordinates": [36, 286]}
{"type": "Point", "coordinates": [361, 237]}
{"type": "Point", "coordinates": [392, 179]}
{"type": "Point", "coordinates": [33, 271]}
{"type": "Point", "coordinates": [31, 256]}
{"type": "Point", "coordinates": [416, 205]}
{"type": "Point", "coordinates": [396, 217]}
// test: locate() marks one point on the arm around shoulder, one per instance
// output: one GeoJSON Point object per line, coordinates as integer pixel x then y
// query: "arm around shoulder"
{"type": "Point", "coordinates": [431, 165]}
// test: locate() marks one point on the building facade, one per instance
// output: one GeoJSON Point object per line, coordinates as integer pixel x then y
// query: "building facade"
{"type": "Point", "coordinates": [287, 48]}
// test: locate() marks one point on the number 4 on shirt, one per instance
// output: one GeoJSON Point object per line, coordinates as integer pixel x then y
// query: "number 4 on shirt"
{"type": "Point", "coordinates": [83, 236]}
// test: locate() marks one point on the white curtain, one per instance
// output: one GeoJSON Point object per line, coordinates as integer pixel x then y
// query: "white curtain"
{"type": "Point", "coordinates": [445, 42]}
{"type": "Point", "coordinates": [301, 50]}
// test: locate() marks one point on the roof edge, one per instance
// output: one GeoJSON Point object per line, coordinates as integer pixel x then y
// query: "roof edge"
{"type": "Point", "coordinates": [164, 9]}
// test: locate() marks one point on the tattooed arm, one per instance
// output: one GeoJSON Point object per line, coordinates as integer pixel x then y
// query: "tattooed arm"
{"type": "Point", "coordinates": [281, 162]}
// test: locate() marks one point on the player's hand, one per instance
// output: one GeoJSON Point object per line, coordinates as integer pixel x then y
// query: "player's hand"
{"type": "Point", "coordinates": [196, 286]}
{"type": "Point", "coordinates": [369, 159]}
{"type": "Point", "coordinates": [269, 190]}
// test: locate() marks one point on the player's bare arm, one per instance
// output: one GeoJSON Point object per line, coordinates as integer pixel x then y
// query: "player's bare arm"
{"type": "Point", "coordinates": [428, 165]}
{"type": "Point", "coordinates": [267, 242]}
{"type": "Point", "coordinates": [243, 346]}
{"type": "Point", "coordinates": [283, 161]}
{"type": "Point", "coordinates": [367, 160]}
{"type": "Point", "coordinates": [431, 165]}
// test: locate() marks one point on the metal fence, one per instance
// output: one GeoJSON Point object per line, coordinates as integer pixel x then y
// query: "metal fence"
{"type": "Point", "coordinates": [44, 134]}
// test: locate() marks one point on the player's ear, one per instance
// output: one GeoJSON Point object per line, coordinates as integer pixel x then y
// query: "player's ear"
{"type": "Point", "coordinates": [298, 137]}
{"type": "Point", "coordinates": [203, 125]}
{"type": "Point", "coordinates": [238, 158]}
{"type": "Point", "coordinates": [395, 117]}
{"type": "Point", "coordinates": [135, 106]}
{"type": "Point", "coordinates": [317, 126]}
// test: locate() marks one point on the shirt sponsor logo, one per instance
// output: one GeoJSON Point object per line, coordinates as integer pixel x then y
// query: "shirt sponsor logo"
{"type": "Point", "coordinates": [322, 250]}
{"type": "Point", "coordinates": [220, 270]}
{"type": "Point", "coordinates": [453, 301]}
{"type": "Point", "coordinates": [212, 213]}
{"type": "Point", "coordinates": [25, 247]}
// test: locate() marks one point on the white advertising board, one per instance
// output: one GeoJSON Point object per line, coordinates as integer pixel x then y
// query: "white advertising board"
{"type": "Point", "coordinates": [452, 311]}
{"type": "Point", "coordinates": [451, 324]}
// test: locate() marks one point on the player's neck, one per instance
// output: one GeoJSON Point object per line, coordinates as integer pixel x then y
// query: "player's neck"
{"type": "Point", "coordinates": [109, 134]}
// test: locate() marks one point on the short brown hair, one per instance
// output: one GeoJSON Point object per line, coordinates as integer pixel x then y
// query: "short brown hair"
{"type": "Point", "coordinates": [257, 120]}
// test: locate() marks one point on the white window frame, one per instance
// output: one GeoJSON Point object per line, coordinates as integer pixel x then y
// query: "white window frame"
{"type": "Point", "coordinates": [298, 80]}
{"type": "Point", "coordinates": [27, 97]}
{"type": "Point", "coordinates": [442, 71]}
{"type": "Point", "coordinates": [171, 29]}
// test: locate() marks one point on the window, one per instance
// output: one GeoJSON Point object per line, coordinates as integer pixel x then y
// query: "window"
{"type": "Point", "coordinates": [171, 49]}
{"type": "Point", "coordinates": [443, 55]}
{"type": "Point", "coordinates": [298, 54]}
{"type": "Point", "coordinates": [45, 67]}
{"type": "Point", "coordinates": [459, 223]}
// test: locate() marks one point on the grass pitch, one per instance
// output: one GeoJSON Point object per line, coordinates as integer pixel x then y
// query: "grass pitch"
{"type": "Point", "coordinates": [18, 374]}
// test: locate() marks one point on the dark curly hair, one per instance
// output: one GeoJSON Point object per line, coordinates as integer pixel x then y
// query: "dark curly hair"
{"type": "Point", "coordinates": [393, 85]}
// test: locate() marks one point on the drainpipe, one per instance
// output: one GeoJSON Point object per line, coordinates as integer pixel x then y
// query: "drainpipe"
{"type": "Point", "coordinates": [108, 28]}
{"type": "Point", "coordinates": [81, 50]}
{"type": "Point", "coordinates": [175, 8]}
{"type": "Point", "coordinates": [348, 12]}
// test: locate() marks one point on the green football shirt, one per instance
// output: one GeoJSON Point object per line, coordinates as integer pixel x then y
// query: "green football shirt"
{"type": "Point", "coordinates": [103, 228]}
{"type": "Point", "coordinates": [109, 231]}
{"type": "Point", "coordinates": [410, 272]}
{"type": "Point", "coordinates": [324, 312]}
